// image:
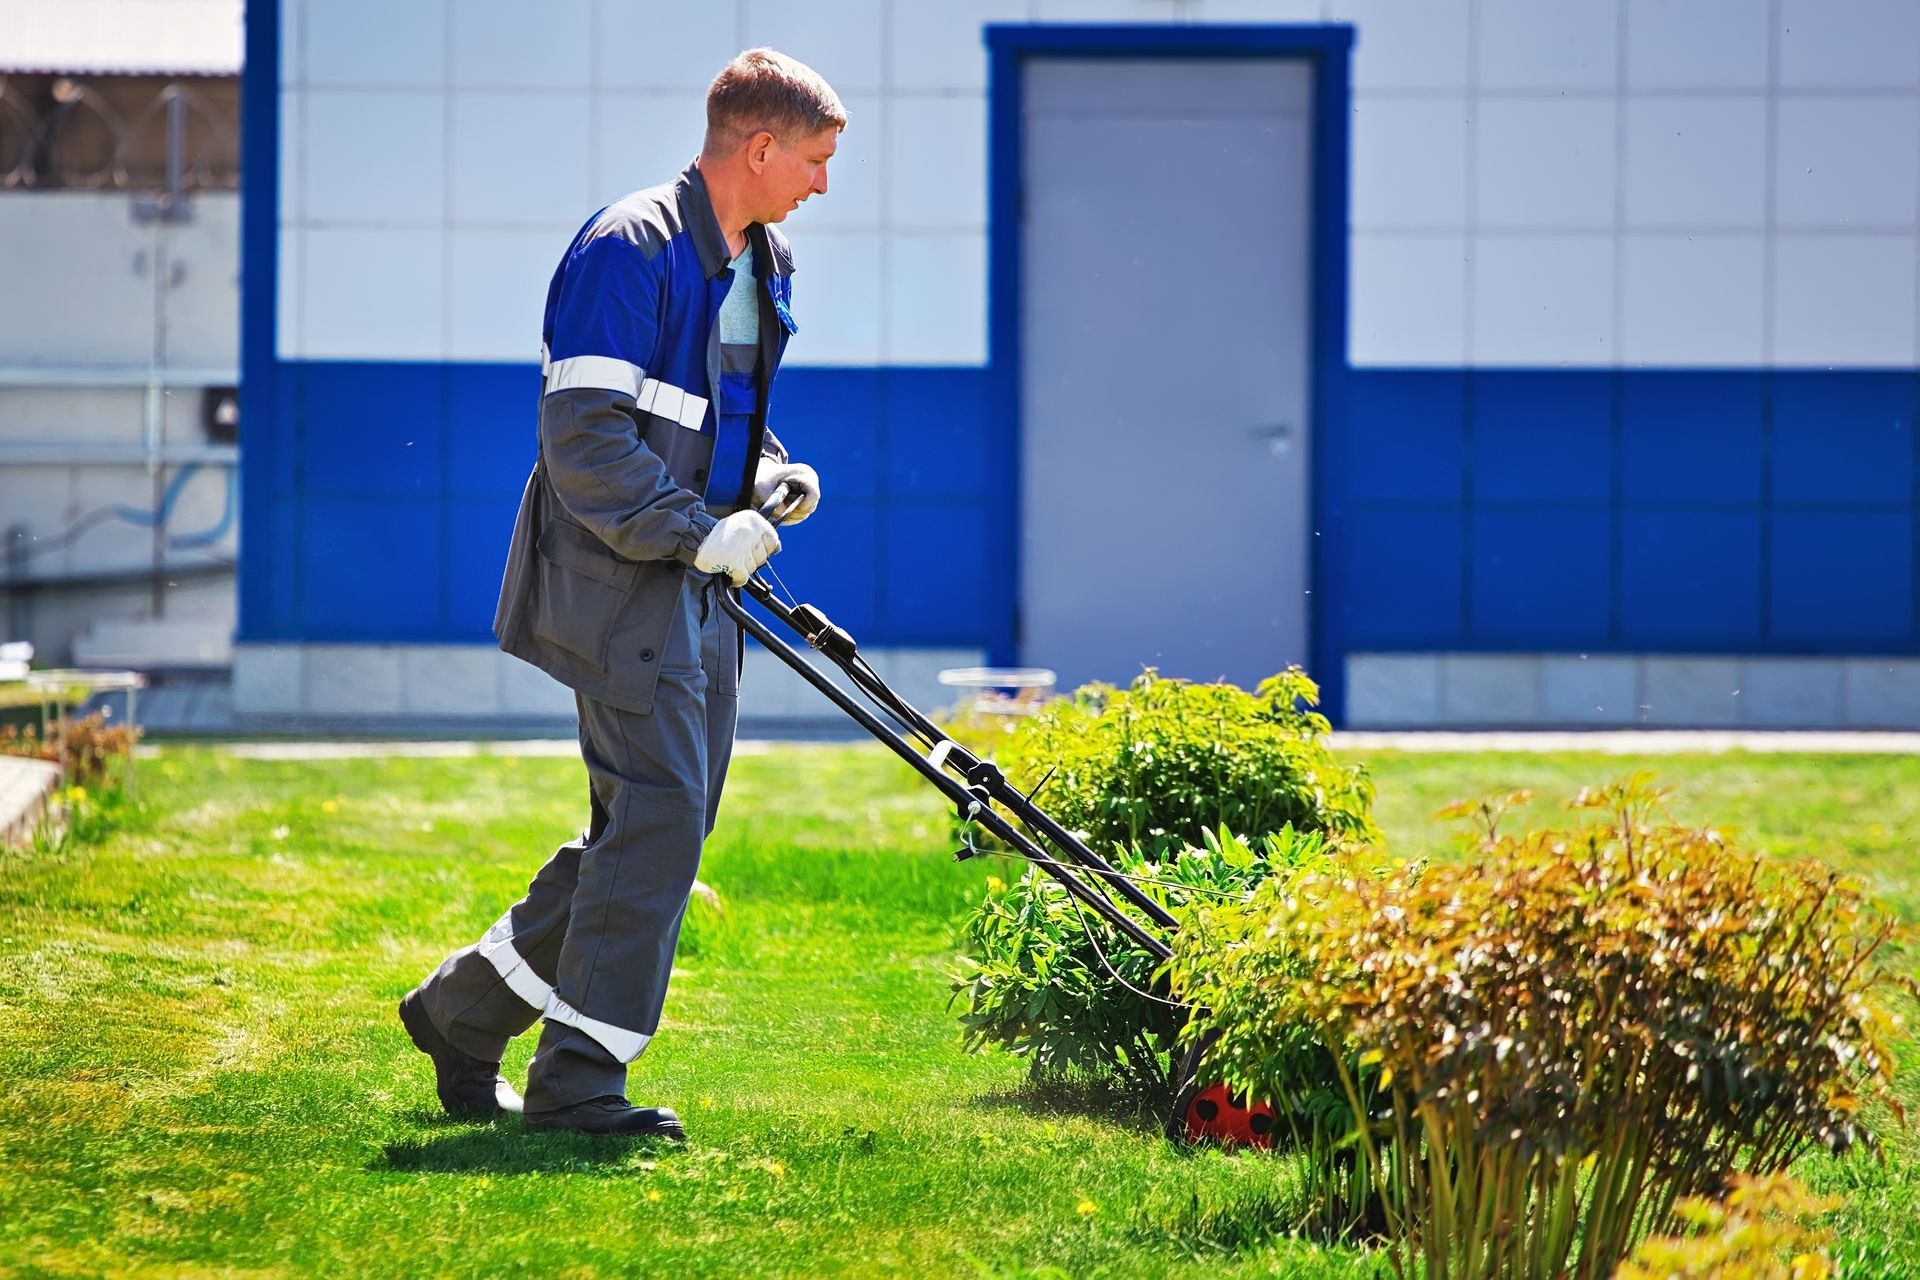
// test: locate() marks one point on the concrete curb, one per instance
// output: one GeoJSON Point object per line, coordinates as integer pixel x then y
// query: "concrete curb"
{"type": "Point", "coordinates": [25, 788]}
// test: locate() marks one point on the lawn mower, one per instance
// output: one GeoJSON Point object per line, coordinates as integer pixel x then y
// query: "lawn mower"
{"type": "Point", "coordinates": [980, 792]}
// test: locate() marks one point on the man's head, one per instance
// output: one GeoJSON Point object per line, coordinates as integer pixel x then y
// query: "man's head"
{"type": "Point", "coordinates": [772, 125]}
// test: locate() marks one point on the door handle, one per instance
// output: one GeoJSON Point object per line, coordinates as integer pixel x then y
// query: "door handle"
{"type": "Point", "coordinates": [1277, 436]}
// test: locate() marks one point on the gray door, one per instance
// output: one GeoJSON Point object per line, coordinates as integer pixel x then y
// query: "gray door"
{"type": "Point", "coordinates": [1164, 450]}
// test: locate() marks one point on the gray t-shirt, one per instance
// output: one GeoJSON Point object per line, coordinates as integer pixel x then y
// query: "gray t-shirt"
{"type": "Point", "coordinates": [740, 313]}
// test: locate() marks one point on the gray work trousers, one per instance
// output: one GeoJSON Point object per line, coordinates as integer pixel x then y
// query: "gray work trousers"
{"type": "Point", "coordinates": [590, 947]}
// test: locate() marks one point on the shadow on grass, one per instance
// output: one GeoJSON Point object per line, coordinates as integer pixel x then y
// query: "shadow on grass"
{"type": "Point", "coordinates": [503, 1147]}
{"type": "Point", "coordinates": [1080, 1096]}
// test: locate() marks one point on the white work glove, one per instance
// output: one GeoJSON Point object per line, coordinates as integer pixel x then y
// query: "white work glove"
{"type": "Point", "coordinates": [739, 544]}
{"type": "Point", "coordinates": [801, 481]}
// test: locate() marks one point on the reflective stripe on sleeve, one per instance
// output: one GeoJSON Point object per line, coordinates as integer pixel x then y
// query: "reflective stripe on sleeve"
{"type": "Point", "coordinates": [497, 946]}
{"type": "Point", "coordinates": [604, 373]}
{"type": "Point", "coordinates": [669, 401]}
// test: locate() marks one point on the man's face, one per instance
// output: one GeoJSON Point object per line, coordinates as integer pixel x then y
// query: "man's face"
{"type": "Point", "coordinates": [792, 169]}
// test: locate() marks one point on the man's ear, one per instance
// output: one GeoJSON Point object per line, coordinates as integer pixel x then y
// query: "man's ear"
{"type": "Point", "coordinates": [760, 150]}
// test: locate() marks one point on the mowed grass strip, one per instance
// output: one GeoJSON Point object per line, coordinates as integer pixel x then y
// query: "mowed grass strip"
{"type": "Point", "coordinates": [203, 1074]}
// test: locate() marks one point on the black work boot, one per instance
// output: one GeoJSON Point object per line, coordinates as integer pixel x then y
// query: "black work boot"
{"type": "Point", "coordinates": [611, 1114]}
{"type": "Point", "coordinates": [468, 1087]}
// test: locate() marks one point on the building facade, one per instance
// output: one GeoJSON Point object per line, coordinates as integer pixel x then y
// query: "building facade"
{"type": "Point", "coordinates": [1504, 362]}
{"type": "Point", "coordinates": [119, 330]}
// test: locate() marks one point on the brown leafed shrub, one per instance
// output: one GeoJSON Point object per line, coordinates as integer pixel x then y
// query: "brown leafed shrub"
{"type": "Point", "coordinates": [94, 748]}
{"type": "Point", "coordinates": [1557, 1039]}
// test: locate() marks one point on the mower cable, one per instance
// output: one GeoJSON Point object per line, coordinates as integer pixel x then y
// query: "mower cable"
{"type": "Point", "coordinates": [966, 834]}
{"type": "Point", "coordinates": [1108, 965]}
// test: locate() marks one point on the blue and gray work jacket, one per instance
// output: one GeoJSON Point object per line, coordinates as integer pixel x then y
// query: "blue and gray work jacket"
{"type": "Point", "coordinates": [649, 431]}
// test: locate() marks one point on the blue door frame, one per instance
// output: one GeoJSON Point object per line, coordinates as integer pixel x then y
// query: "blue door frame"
{"type": "Point", "coordinates": [1329, 49]}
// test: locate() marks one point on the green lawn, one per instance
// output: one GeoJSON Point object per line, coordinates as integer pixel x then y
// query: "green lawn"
{"type": "Point", "coordinates": [201, 1073]}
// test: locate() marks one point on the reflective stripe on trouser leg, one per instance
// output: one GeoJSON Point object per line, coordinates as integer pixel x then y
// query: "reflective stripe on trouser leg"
{"type": "Point", "coordinates": [651, 772]}
{"type": "Point", "coordinates": [467, 997]}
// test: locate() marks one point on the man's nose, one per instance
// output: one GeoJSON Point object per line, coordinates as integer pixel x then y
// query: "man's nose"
{"type": "Point", "coordinates": [820, 182]}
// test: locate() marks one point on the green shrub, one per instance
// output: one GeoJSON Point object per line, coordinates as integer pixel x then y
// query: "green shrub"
{"type": "Point", "coordinates": [1156, 765]}
{"type": "Point", "coordinates": [1153, 777]}
{"type": "Point", "coordinates": [1035, 984]}
{"type": "Point", "coordinates": [1559, 1038]}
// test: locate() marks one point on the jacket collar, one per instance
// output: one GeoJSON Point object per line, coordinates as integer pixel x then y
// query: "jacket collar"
{"type": "Point", "coordinates": [696, 210]}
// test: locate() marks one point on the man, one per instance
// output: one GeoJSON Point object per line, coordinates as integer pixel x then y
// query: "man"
{"type": "Point", "coordinates": [664, 326]}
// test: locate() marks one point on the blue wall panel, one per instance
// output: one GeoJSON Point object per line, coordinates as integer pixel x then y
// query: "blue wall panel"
{"type": "Point", "coordinates": [830, 420]}
{"type": "Point", "coordinates": [933, 434]}
{"type": "Point", "coordinates": [829, 560]}
{"type": "Point", "coordinates": [1843, 580]}
{"type": "Point", "coordinates": [1843, 438]}
{"type": "Point", "coordinates": [372, 570]}
{"type": "Point", "coordinates": [1542, 437]}
{"type": "Point", "coordinates": [1692, 439]}
{"type": "Point", "coordinates": [373, 430]}
{"type": "Point", "coordinates": [1690, 579]}
{"type": "Point", "coordinates": [1402, 577]}
{"type": "Point", "coordinates": [479, 531]}
{"type": "Point", "coordinates": [396, 503]}
{"type": "Point", "coordinates": [1406, 438]}
{"type": "Point", "coordinates": [1703, 511]}
{"type": "Point", "coordinates": [490, 428]}
{"type": "Point", "coordinates": [1540, 578]}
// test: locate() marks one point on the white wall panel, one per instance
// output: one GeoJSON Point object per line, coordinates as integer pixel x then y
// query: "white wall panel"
{"type": "Point", "coordinates": [1407, 46]}
{"type": "Point", "coordinates": [1848, 162]}
{"type": "Point", "coordinates": [1696, 162]}
{"type": "Point", "coordinates": [289, 321]}
{"type": "Point", "coordinates": [936, 298]}
{"type": "Point", "coordinates": [644, 44]}
{"type": "Point", "coordinates": [936, 162]}
{"type": "Point", "coordinates": [1119, 11]}
{"type": "Point", "coordinates": [1850, 44]}
{"type": "Point", "coordinates": [1545, 163]}
{"type": "Point", "coordinates": [293, 52]}
{"type": "Point", "coordinates": [520, 157]}
{"type": "Point", "coordinates": [1548, 44]}
{"type": "Point", "coordinates": [513, 44]}
{"type": "Point", "coordinates": [1843, 300]}
{"type": "Point", "coordinates": [940, 46]}
{"type": "Point", "coordinates": [1407, 303]}
{"type": "Point", "coordinates": [854, 174]}
{"type": "Point", "coordinates": [841, 39]}
{"type": "Point", "coordinates": [1542, 300]}
{"type": "Point", "coordinates": [1482, 129]}
{"type": "Point", "coordinates": [497, 291]}
{"type": "Point", "coordinates": [51, 314]}
{"type": "Point", "coordinates": [643, 140]}
{"type": "Point", "coordinates": [1697, 44]}
{"type": "Point", "coordinates": [202, 310]}
{"type": "Point", "coordinates": [1691, 300]}
{"type": "Point", "coordinates": [376, 156]}
{"type": "Point", "coordinates": [1410, 162]}
{"type": "Point", "coordinates": [836, 299]}
{"type": "Point", "coordinates": [377, 43]}
{"type": "Point", "coordinates": [292, 156]}
{"type": "Point", "coordinates": [374, 294]}
{"type": "Point", "coordinates": [1256, 11]}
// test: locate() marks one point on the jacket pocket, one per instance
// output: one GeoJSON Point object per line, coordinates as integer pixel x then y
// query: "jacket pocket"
{"type": "Point", "coordinates": [582, 589]}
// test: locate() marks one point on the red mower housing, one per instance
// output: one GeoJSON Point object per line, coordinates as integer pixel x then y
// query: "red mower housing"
{"type": "Point", "coordinates": [1215, 1114]}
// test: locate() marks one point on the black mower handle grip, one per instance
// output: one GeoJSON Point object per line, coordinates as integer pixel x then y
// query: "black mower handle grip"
{"type": "Point", "coordinates": [771, 508]}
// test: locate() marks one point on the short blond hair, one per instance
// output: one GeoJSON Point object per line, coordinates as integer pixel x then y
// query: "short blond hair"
{"type": "Point", "coordinates": [765, 89]}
